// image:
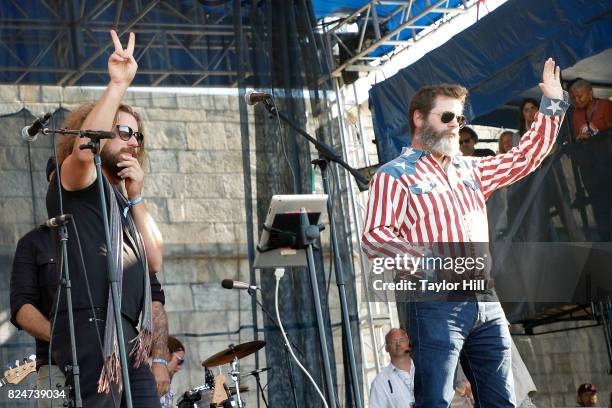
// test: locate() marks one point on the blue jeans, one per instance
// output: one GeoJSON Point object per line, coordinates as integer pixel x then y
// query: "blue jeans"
{"type": "Point", "coordinates": [474, 333]}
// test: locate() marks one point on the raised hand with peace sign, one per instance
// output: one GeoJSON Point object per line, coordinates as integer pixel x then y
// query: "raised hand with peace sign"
{"type": "Point", "coordinates": [121, 64]}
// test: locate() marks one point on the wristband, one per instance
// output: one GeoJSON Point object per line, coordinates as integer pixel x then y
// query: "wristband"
{"type": "Point", "coordinates": [159, 361]}
{"type": "Point", "coordinates": [131, 203]}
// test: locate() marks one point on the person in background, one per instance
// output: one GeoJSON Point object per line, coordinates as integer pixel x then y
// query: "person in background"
{"type": "Point", "coordinates": [393, 387]}
{"type": "Point", "coordinates": [176, 358]}
{"type": "Point", "coordinates": [591, 115]}
{"type": "Point", "coordinates": [591, 121]}
{"type": "Point", "coordinates": [505, 142]}
{"type": "Point", "coordinates": [467, 142]}
{"type": "Point", "coordinates": [529, 107]}
{"type": "Point", "coordinates": [587, 395]}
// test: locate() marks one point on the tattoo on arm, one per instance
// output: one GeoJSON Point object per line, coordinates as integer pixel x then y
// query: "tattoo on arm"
{"type": "Point", "coordinates": [160, 331]}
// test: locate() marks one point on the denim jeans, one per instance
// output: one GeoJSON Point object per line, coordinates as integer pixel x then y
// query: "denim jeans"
{"type": "Point", "coordinates": [473, 333]}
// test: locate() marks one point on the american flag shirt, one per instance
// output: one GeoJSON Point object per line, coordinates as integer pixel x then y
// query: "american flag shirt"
{"type": "Point", "coordinates": [414, 201]}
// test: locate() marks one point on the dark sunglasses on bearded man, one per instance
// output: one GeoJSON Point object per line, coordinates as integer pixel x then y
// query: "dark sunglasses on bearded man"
{"type": "Point", "coordinates": [126, 133]}
{"type": "Point", "coordinates": [447, 117]}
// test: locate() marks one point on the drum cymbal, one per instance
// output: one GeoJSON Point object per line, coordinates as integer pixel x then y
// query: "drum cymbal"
{"type": "Point", "coordinates": [227, 355]}
{"type": "Point", "coordinates": [243, 388]}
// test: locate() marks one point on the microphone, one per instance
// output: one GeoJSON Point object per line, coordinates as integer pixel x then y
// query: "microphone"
{"type": "Point", "coordinates": [59, 220]}
{"type": "Point", "coordinates": [254, 97]}
{"type": "Point", "coordinates": [232, 284]}
{"type": "Point", "coordinates": [30, 133]}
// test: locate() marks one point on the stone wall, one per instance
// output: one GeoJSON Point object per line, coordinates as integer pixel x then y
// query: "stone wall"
{"type": "Point", "coordinates": [559, 362]}
{"type": "Point", "coordinates": [194, 189]}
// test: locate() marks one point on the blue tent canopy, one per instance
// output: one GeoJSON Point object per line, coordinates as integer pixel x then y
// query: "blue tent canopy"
{"type": "Point", "coordinates": [496, 59]}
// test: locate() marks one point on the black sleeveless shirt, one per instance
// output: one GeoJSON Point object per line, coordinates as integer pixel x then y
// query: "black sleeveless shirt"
{"type": "Point", "coordinates": [84, 205]}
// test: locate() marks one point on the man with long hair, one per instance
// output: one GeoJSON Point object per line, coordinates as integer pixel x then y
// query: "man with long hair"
{"type": "Point", "coordinates": [135, 242]}
{"type": "Point", "coordinates": [430, 197]}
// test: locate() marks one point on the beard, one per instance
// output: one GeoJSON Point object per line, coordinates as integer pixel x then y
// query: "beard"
{"type": "Point", "coordinates": [110, 159]}
{"type": "Point", "coordinates": [445, 142]}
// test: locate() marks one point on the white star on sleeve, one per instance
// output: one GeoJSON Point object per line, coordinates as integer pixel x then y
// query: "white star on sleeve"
{"type": "Point", "coordinates": [554, 106]}
{"type": "Point", "coordinates": [401, 165]}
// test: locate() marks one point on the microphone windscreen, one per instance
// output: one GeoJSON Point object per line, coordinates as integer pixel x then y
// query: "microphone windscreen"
{"type": "Point", "coordinates": [227, 283]}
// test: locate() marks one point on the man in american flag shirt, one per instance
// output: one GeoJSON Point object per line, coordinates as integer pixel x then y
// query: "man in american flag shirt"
{"type": "Point", "coordinates": [431, 195]}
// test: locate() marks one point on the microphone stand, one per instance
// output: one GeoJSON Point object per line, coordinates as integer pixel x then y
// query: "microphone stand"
{"type": "Point", "coordinates": [326, 155]}
{"type": "Point", "coordinates": [65, 280]}
{"type": "Point", "coordinates": [73, 371]}
{"type": "Point", "coordinates": [94, 146]}
{"type": "Point", "coordinates": [252, 293]}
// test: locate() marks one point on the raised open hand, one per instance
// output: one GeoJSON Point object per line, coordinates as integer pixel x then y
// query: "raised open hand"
{"type": "Point", "coordinates": [121, 64]}
{"type": "Point", "coordinates": [551, 80]}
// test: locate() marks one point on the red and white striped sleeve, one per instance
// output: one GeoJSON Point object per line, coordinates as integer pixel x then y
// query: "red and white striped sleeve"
{"type": "Point", "coordinates": [385, 214]}
{"type": "Point", "coordinates": [504, 169]}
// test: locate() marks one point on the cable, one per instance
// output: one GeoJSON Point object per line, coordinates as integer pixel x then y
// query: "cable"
{"type": "Point", "coordinates": [281, 138]}
{"type": "Point", "coordinates": [279, 273]}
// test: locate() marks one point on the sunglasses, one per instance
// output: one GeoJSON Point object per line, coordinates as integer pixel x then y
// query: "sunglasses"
{"type": "Point", "coordinates": [180, 360]}
{"type": "Point", "coordinates": [126, 133]}
{"type": "Point", "coordinates": [447, 117]}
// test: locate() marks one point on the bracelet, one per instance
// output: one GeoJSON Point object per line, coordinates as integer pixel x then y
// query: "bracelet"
{"type": "Point", "coordinates": [159, 360]}
{"type": "Point", "coordinates": [131, 203]}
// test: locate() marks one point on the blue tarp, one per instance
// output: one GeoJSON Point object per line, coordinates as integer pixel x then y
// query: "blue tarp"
{"type": "Point", "coordinates": [496, 59]}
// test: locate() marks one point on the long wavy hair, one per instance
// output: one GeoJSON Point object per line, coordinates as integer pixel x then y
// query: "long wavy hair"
{"type": "Point", "coordinates": [75, 120]}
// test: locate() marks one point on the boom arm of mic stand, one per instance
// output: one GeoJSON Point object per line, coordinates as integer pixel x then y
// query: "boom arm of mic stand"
{"type": "Point", "coordinates": [324, 149]}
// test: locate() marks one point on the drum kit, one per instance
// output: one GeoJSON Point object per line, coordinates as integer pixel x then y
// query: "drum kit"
{"type": "Point", "coordinates": [215, 392]}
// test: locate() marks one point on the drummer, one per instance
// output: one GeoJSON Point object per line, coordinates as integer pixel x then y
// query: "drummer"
{"type": "Point", "coordinates": [176, 358]}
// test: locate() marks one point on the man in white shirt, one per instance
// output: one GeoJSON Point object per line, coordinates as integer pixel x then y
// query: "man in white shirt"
{"type": "Point", "coordinates": [393, 387]}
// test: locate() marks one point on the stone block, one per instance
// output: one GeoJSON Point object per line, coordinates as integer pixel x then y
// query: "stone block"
{"type": "Point", "coordinates": [157, 208]}
{"type": "Point", "coordinates": [212, 297]}
{"type": "Point", "coordinates": [163, 161]}
{"type": "Point", "coordinates": [187, 233]}
{"type": "Point", "coordinates": [9, 93]}
{"type": "Point", "coordinates": [178, 297]}
{"type": "Point", "coordinates": [40, 156]}
{"type": "Point", "coordinates": [224, 232]}
{"type": "Point", "coordinates": [221, 161]}
{"type": "Point", "coordinates": [205, 322]}
{"type": "Point", "coordinates": [14, 158]}
{"type": "Point", "coordinates": [9, 108]}
{"type": "Point", "coordinates": [174, 115]}
{"type": "Point", "coordinates": [183, 270]}
{"type": "Point", "coordinates": [163, 100]}
{"type": "Point", "coordinates": [205, 186]}
{"type": "Point", "coordinates": [166, 135]}
{"type": "Point", "coordinates": [194, 101]}
{"type": "Point", "coordinates": [206, 136]}
{"type": "Point", "coordinates": [164, 185]}
{"type": "Point", "coordinates": [205, 210]}
{"type": "Point", "coordinates": [10, 233]}
{"type": "Point", "coordinates": [15, 184]}
{"type": "Point", "coordinates": [29, 93]}
{"type": "Point", "coordinates": [223, 103]}
{"type": "Point", "coordinates": [233, 185]}
{"type": "Point", "coordinates": [197, 162]}
{"type": "Point", "coordinates": [77, 95]}
{"type": "Point", "coordinates": [52, 94]}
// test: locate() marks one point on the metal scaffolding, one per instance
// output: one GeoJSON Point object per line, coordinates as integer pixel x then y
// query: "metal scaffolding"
{"type": "Point", "coordinates": [190, 43]}
{"type": "Point", "coordinates": [386, 27]}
